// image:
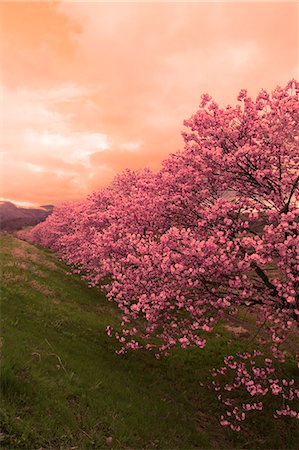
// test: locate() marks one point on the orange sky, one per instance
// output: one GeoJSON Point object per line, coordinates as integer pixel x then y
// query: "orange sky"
{"type": "Point", "coordinates": [90, 88]}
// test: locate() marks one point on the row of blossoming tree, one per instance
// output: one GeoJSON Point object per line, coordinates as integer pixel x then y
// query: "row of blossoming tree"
{"type": "Point", "coordinates": [215, 230]}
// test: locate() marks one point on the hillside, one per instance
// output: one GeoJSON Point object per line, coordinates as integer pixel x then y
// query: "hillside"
{"type": "Point", "coordinates": [13, 217]}
{"type": "Point", "coordinates": [63, 386]}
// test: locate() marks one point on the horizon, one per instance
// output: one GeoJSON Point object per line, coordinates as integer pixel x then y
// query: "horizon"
{"type": "Point", "coordinates": [88, 91]}
{"type": "Point", "coordinates": [22, 204]}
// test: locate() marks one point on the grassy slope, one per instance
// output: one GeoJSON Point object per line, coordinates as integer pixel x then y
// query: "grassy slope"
{"type": "Point", "coordinates": [63, 385]}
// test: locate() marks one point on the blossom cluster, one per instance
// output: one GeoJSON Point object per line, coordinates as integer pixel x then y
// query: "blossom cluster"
{"type": "Point", "coordinates": [254, 378]}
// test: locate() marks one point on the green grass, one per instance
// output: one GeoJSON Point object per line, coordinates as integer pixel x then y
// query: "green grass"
{"type": "Point", "coordinates": [63, 386]}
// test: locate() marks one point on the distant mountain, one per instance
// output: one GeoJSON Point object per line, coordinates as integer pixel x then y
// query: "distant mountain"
{"type": "Point", "coordinates": [47, 207]}
{"type": "Point", "coordinates": [14, 218]}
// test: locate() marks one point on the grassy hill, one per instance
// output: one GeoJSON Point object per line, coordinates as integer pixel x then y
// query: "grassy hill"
{"type": "Point", "coordinates": [63, 386]}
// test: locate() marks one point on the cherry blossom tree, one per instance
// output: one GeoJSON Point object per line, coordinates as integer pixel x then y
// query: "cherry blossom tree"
{"type": "Point", "coordinates": [230, 197]}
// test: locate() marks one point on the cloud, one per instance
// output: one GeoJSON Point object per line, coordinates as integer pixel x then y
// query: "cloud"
{"type": "Point", "coordinates": [91, 88]}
